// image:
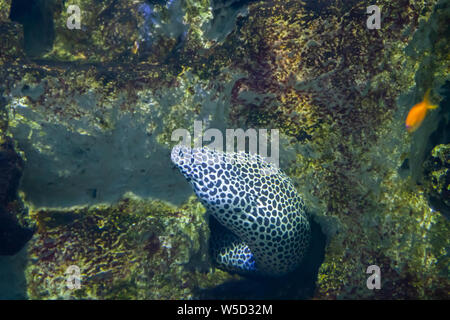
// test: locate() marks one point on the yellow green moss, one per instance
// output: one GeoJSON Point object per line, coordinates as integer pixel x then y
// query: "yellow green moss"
{"type": "Point", "coordinates": [137, 249]}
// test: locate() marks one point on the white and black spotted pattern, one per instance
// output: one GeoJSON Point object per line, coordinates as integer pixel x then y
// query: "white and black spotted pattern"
{"type": "Point", "coordinates": [263, 226]}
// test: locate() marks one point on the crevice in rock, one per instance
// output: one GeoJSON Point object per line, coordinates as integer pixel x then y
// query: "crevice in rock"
{"type": "Point", "coordinates": [36, 17]}
{"type": "Point", "coordinates": [299, 284]}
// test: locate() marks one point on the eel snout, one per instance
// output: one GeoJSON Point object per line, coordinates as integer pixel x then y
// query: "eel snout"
{"type": "Point", "coordinates": [182, 157]}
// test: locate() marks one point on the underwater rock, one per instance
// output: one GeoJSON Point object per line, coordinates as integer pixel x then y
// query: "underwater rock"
{"type": "Point", "coordinates": [166, 22]}
{"type": "Point", "coordinates": [437, 179]}
{"type": "Point", "coordinates": [13, 236]}
{"type": "Point", "coordinates": [136, 249]}
{"type": "Point", "coordinates": [36, 16]}
{"type": "Point", "coordinates": [97, 167]}
{"type": "Point", "coordinates": [11, 42]}
{"type": "Point", "coordinates": [225, 13]}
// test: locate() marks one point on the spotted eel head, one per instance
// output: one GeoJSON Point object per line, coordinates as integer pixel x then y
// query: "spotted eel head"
{"type": "Point", "coordinates": [182, 157]}
{"type": "Point", "coordinates": [208, 171]}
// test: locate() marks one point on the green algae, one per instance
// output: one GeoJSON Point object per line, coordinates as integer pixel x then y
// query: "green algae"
{"type": "Point", "coordinates": [137, 249]}
{"type": "Point", "coordinates": [437, 178]}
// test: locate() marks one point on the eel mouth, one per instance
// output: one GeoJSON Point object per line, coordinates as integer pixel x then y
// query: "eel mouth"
{"type": "Point", "coordinates": [183, 158]}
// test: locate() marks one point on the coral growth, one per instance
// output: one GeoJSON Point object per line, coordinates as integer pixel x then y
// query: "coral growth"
{"type": "Point", "coordinates": [135, 249]}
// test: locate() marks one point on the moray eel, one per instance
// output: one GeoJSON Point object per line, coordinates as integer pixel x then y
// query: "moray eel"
{"type": "Point", "coordinates": [258, 221]}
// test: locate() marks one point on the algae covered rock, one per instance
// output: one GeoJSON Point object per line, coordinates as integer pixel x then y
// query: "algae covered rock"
{"type": "Point", "coordinates": [437, 171]}
{"type": "Point", "coordinates": [134, 250]}
{"type": "Point", "coordinates": [15, 230]}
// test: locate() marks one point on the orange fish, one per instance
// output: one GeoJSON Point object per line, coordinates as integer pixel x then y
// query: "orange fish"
{"type": "Point", "coordinates": [418, 113]}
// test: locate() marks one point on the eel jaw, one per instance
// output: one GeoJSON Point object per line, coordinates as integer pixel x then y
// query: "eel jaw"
{"type": "Point", "coordinates": [182, 158]}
